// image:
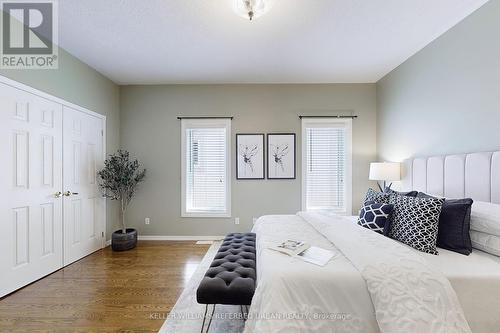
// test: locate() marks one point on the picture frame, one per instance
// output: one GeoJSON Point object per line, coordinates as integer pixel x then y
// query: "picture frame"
{"type": "Point", "coordinates": [281, 156]}
{"type": "Point", "coordinates": [250, 156]}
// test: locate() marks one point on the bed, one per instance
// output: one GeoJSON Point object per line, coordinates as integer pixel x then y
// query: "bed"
{"type": "Point", "coordinates": [375, 284]}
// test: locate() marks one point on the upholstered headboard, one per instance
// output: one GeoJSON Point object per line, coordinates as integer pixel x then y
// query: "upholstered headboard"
{"type": "Point", "coordinates": [475, 176]}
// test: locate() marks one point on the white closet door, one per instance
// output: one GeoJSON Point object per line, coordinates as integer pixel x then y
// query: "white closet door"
{"type": "Point", "coordinates": [30, 184]}
{"type": "Point", "coordinates": [84, 208]}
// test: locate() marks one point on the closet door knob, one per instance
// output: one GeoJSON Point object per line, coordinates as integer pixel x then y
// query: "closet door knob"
{"type": "Point", "coordinates": [68, 193]}
{"type": "Point", "coordinates": [58, 194]}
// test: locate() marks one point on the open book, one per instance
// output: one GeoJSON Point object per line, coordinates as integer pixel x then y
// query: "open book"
{"type": "Point", "coordinates": [290, 247]}
{"type": "Point", "coordinates": [304, 251]}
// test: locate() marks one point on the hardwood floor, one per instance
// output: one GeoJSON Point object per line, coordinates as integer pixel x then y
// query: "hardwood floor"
{"type": "Point", "coordinates": [107, 291]}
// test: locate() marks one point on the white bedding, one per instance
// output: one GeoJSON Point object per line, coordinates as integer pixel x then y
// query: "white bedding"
{"type": "Point", "coordinates": [291, 292]}
{"type": "Point", "coordinates": [476, 280]}
{"type": "Point", "coordinates": [288, 286]}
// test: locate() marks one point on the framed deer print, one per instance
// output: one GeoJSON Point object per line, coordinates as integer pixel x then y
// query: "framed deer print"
{"type": "Point", "coordinates": [250, 156]}
{"type": "Point", "coordinates": [281, 156]}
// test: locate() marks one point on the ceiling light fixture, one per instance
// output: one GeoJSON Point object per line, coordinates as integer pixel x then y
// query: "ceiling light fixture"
{"type": "Point", "coordinates": [252, 9]}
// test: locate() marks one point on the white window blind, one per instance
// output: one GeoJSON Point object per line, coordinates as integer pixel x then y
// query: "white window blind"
{"type": "Point", "coordinates": [326, 165]}
{"type": "Point", "coordinates": [206, 175]}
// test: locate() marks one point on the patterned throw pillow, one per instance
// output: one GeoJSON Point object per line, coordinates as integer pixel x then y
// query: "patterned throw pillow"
{"type": "Point", "coordinates": [378, 197]}
{"type": "Point", "coordinates": [375, 216]}
{"type": "Point", "coordinates": [415, 222]}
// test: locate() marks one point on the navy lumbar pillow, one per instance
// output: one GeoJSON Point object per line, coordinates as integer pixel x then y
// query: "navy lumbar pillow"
{"type": "Point", "coordinates": [454, 225]}
{"type": "Point", "coordinates": [375, 216]}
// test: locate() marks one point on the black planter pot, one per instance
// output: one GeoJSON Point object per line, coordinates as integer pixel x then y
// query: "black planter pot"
{"type": "Point", "coordinates": [124, 242]}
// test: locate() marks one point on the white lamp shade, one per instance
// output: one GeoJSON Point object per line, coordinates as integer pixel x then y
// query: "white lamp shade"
{"type": "Point", "coordinates": [385, 171]}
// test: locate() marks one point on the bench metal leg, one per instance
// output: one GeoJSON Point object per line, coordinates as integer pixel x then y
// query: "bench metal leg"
{"type": "Point", "coordinates": [210, 321]}
{"type": "Point", "coordinates": [244, 311]}
{"type": "Point", "coordinates": [205, 317]}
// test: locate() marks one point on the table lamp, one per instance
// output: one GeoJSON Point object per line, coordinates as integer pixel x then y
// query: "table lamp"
{"type": "Point", "coordinates": [385, 171]}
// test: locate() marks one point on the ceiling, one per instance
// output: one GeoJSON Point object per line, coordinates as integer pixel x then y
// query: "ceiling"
{"type": "Point", "coordinates": [298, 41]}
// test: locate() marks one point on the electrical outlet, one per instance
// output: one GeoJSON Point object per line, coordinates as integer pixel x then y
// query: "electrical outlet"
{"type": "Point", "coordinates": [147, 220]}
{"type": "Point", "coordinates": [236, 220]}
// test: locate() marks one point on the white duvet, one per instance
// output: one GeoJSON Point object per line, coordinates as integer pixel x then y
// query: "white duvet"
{"type": "Point", "coordinates": [374, 284]}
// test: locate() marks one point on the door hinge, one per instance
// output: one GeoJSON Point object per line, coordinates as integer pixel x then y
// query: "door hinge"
{"type": "Point", "coordinates": [102, 132]}
{"type": "Point", "coordinates": [102, 234]}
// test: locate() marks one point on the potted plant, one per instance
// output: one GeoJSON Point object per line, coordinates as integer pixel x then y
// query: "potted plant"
{"type": "Point", "coordinates": [118, 181]}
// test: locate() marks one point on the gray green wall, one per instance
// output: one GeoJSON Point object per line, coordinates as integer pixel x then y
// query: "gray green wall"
{"type": "Point", "coordinates": [150, 130]}
{"type": "Point", "coordinates": [78, 83]}
{"type": "Point", "coordinates": [446, 98]}
{"type": "Point", "coordinates": [442, 100]}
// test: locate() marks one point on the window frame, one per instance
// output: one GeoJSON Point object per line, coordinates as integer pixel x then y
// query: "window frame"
{"type": "Point", "coordinates": [327, 122]}
{"type": "Point", "coordinates": [205, 123]}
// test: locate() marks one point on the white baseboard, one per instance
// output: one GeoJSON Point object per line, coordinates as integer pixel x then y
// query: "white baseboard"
{"type": "Point", "coordinates": [180, 238]}
{"type": "Point", "coordinates": [204, 242]}
{"type": "Point", "coordinates": [108, 242]}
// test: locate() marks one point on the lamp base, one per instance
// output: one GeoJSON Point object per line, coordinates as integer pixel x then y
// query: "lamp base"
{"type": "Point", "coordinates": [385, 188]}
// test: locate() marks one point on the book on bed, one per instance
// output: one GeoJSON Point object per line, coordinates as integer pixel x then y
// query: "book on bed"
{"type": "Point", "coordinates": [304, 251]}
{"type": "Point", "coordinates": [291, 247]}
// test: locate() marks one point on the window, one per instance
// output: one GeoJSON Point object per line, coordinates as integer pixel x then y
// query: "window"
{"type": "Point", "coordinates": [206, 172]}
{"type": "Point", "coordinates": [326, 164]}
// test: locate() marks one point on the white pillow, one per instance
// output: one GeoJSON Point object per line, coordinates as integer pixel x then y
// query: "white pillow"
{"type": "Point", "coordinates": [485, 242]}
{"type": "Point", "coordinates": [485, 217]}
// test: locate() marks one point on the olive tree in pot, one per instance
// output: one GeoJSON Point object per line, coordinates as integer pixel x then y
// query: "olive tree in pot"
{"type": "Point", "coordinates": [118, 181]}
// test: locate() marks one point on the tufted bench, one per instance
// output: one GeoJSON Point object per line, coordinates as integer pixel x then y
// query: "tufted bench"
{"type": "Point", "coordinates": [231, 276]}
